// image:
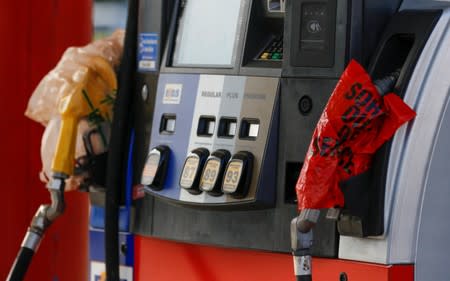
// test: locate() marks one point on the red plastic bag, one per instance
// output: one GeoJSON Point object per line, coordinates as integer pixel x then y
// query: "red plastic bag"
{"type": "Point", "coordinates": [353, 125]}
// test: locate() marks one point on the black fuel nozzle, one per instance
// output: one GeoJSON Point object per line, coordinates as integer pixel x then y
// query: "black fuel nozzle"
{"type": "Point", "coordinates": [386, 84]}
{"type": "Point", "coordinates": [301, 242]}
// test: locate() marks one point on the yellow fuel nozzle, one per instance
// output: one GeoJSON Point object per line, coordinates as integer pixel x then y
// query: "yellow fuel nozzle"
{"type": "Point", "coordinates": [84, 97]}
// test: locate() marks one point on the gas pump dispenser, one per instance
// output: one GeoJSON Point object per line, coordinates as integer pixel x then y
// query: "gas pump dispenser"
{"type": "Point", "coordinates": [241, 86]}
{"type": "Point", "coordinates": [222, 129]}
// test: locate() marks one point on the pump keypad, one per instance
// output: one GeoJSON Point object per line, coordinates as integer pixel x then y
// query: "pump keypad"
{"type": "Point", "coordinates": [273, 51]}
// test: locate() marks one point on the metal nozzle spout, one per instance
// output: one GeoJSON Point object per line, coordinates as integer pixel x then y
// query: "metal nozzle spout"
{"type": "Point", "coordinates": [46, 214]}
{"type": "Point", "coordinates": [301, 242]}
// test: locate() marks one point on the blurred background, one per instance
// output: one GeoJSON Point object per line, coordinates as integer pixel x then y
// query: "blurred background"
{"type": "Point", "coordinates": [108, 15]}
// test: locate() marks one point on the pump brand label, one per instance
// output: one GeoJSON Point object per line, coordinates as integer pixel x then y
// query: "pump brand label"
{"type": "Point", "coordinates": [172, 94]}
{"type": "Point", "coordinates": [148, 51]}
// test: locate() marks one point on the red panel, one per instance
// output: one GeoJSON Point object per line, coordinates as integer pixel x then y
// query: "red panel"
{"type": "Point", "coordinates": [330, 269]}
{"type": "Point", "coordinates": [34, 35]}
{"type": "Point", "coordinates": [160, 260]}
{"type": "Point", "coordinates": [402, 272]}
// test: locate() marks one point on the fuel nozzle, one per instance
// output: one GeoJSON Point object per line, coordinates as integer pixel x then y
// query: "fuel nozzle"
{"type": "Point", "coordinates": [301, 242]}
{"type": "Point", "coordinates": [386, 84]}
{"type": "Point", "coordinates": [83, 97]}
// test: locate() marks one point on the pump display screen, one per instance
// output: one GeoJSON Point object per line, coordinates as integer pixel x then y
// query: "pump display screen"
{"type": "Point", "coordinates": [207, 33]}
{"type": "Point", "coordinates": [150, 169]}
{"type": "Point", "coordinates": [189, 171]}
{"type": "Point", "coordinates": [210, 174]}
{"type": "Point", "coordinates": [232, 176]}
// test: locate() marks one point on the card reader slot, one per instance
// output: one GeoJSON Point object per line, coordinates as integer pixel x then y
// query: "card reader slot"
{"type": "Point", "coordinates": [276, 6]}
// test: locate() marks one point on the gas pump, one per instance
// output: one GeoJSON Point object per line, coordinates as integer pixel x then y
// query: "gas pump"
{"type": "Point", "coordinates": [236, 98]}
{"type": "Point", "coordinates": [233, 114]}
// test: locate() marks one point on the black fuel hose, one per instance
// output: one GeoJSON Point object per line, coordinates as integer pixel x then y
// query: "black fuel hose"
{"type": "Point", "coordinates": [20, 267]}
{"type": "Point", "coordinates": [119, 143]}
{"type": "Point", "coordinates": [44, 217]}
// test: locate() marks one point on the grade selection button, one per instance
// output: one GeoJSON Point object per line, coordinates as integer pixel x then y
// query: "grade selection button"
{"type": "Point", "coordinates": [238, 174]}
{"type": "Point", "coordinates": [212, 175]}
{"type": "Point", "coordinates": [193, 166]}
{"type": "Point", "coordinates": [155, 168]}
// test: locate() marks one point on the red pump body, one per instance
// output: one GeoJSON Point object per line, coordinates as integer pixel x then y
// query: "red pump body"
{"type": "Point", "coordinates": [166, 261]}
